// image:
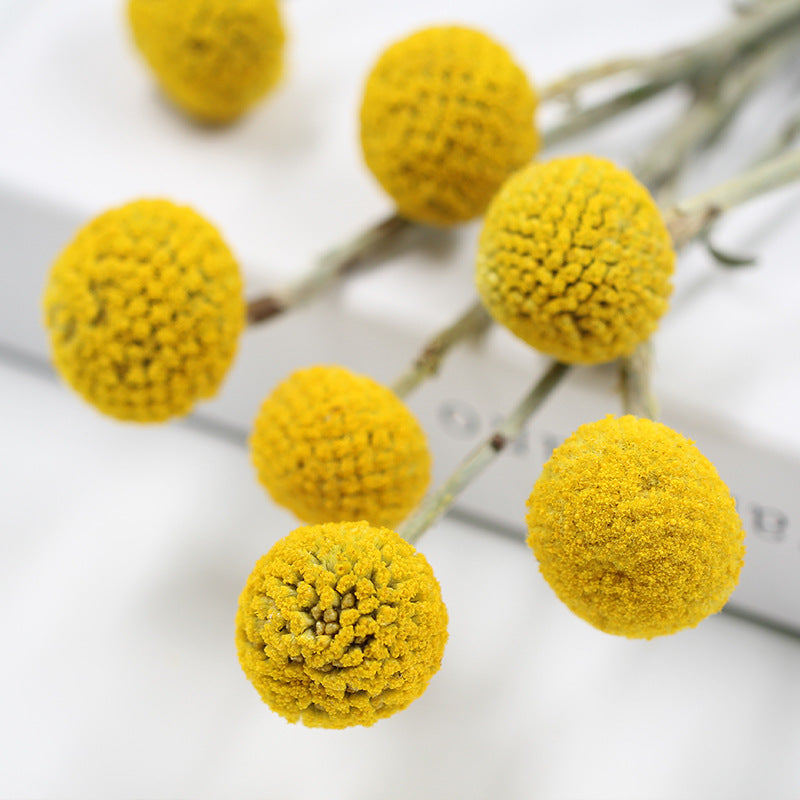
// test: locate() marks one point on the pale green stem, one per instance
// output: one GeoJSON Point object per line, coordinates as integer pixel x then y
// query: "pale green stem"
{"type": "Point", "coordinates": [568, 85]}
{"type": "Point", "coordinates": [692, 217]}
{"type": "Point", "coordinates": [753, 7]}
{"type": "Point", "coordinates": [785, 139]}
{"type": "Point", "coordinates": [588, 117]}
{"type": "Point", "coordinates": [473, 322]}
{"type": "Point", "coordinates": [716, 102]}
{"type": "Point", "coordinates": [686, 221]}
{"type": "Point", "coordinates": [437, 503]}
{"type": "Point", "coordinates": [718, 51]}
{"type": "Point", "coordinates": [717, 99]}
{"type": "Point", "coordinates": [330, 267]}
{"type": "Point", "coordinates": [726, 46]}
{"type": "Point", "coordinates": [635, 373]}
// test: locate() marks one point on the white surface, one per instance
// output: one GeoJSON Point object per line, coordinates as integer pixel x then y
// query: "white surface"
{"type": "Point", "coordinates": [123, 551]}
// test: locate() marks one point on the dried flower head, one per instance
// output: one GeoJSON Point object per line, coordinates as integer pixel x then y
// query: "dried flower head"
{"type": "Point", "coordinates": [331, 445]}
{"type": "Point", "coordinates": [144, 309]}
{"type": "Point", "coordinates": [634, 529]}
{"type": "Point", "coordinates": [446, 117]}
{"type": "Point", "coordinates": [213, 58]}
{"type": "Point", "coordinates": [341, 624]}
{"type": "Point", "coordinates": [575, 259]}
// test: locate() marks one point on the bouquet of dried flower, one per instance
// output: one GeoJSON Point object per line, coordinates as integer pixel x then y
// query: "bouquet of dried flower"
{"type": "Point", "coordinates": [342, 622]}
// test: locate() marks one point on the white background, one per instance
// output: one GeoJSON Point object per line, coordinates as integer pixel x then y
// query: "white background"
{"type": "Point", "coordinates": [123, 549]}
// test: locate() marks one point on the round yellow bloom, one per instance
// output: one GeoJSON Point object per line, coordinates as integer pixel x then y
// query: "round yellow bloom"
{"type": "Point", "coordinates": [634, 529]}
{"type": "Point", "coordinates": [144, 309]}
{"type": "Point", "coordinates": [446, 117]}
{"type": "Point", "coordinates": [341, 624]}
{"type": "Point", "coordinates": [213, 58]}
{"type": "Point", "coordinates": [575, 259]}
{"type": "Point", "coordinates": [331, 445]}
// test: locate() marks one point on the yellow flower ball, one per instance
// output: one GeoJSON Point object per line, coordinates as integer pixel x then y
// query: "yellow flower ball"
{"type": "Point", "coordinates": [634, 529]}
{"type": "Point", "coordinates": [575, 259]}
{"type": "Point", "coordinates": [144, 309]}
{"type": "Point", "coordinates": [341, 624]}
{"type": "Point", "coordinates": [213, 58]}
{"type": "Point", "coordinates": [331, 445]}
{"type": "Point", "coordinates": [447, 116]}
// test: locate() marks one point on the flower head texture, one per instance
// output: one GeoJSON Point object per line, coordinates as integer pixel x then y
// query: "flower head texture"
{"type": "Point", "coordinates": [634, 530]}
{"type": "Point", "coordinates": [574, 258]}
{"type": "Point", "coordinates": [341, 624]}
{"type": "Point", "coordinates": [213, 58]}
{"type": "Point", "coordinates": [446, 117]}
{"type": "Point", "coordinates": [331, 445]}
{"type": "Point", "coordinates": [144, 309]}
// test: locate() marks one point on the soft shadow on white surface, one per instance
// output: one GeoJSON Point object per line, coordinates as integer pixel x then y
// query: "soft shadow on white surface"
{"type": "Point", "coordinates": [124, 549]}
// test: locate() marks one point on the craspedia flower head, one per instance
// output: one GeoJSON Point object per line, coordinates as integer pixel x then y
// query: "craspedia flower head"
{"type": "Point", "coordinates": [575, 259]}
{"type": "Point", "coordinates": [447, 115]}
{"type": "Point", "coordinates": [213, 58]}
{"type": "Point", "coordinates": [331, 445]}
{"type": "Point", "coordinates": [341, 624]}
{"type": "Point", "coordinates": [144, 309]}
{"type": "Point", "coordinates": [634, 529]}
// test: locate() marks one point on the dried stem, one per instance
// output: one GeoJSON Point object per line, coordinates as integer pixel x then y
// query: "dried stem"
{"type": "Point", "coordinates": [692, 217]}
{"type": "Point", "coordinates": [437, 503]}
{"type": "Point", "coordinates": [329, 268]}
{"type": "Point", "coordinates": [588, 117]}
{"type": "Point", "coordinates": [715, 52]}
{"type": "Point", "coordinates": [785, 139]}
{"type": "Point", "coordinates": [716, 101]}
{"type": "Point", "coordinates": [565, 88]}
{"type": "Point", "coordinates": [686, 221]}
{"type": "Point", "coordinates": [727, 46]}
{"type": "Point", "coordinates": [744, 7]}
{"type": "Point", "coordinates": [473, 322]}
{"type": "Point", "coordinates": [635, 373]}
